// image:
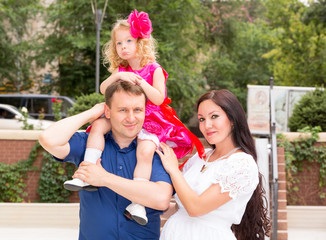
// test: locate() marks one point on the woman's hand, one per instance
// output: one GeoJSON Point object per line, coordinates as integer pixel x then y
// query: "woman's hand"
{"type": "Point", "coordinates": [168, 158]}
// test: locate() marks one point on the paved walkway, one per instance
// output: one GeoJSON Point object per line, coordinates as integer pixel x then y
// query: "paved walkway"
{"type": "Point", "coordinates": [301, 234]}
{"type": "Point", "coordinates": [306, 222]}
{"type": "Point", "coordinates": [38, 233]}
{"type": "Point", "coordinates": [72, 234]}
{"type": "Point", "coordinates": [33, 221]}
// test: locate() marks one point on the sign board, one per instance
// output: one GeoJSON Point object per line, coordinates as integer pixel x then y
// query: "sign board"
{"type": "Point", "coordinates": [285, 99]}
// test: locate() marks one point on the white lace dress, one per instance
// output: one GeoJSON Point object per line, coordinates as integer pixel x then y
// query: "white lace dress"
{"type": "Point", "coordinates": [238, 175]}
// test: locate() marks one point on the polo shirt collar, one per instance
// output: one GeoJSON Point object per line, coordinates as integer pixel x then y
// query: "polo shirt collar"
{"type": "Point", "coordinates": [131, 146]}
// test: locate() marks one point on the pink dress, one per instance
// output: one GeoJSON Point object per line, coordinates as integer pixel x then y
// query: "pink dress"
{"type": "Point", "coordinates": [162, 120]}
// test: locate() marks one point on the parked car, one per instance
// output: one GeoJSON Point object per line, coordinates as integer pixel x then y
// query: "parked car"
{"type": "Point", "coordinates": [12, 118]}
{"type": "Point", "coordinates": [38, 103]}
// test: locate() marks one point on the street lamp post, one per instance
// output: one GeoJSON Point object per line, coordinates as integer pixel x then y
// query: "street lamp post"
{"type": "Point", "coordinates": [98, 21]}
{"type": "Point", "coordinates": [99, 15]}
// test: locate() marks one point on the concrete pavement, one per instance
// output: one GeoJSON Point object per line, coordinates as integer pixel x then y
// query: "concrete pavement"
{"type": "Point", "coordinates": [34, 221]}
{"type": "Point", "coordinates": [42, 233]}
{"type": "Point", "coordinates": [29, 233]}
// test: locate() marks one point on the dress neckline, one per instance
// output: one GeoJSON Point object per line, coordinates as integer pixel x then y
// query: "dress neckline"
{"type": "Point", "coordinates": [140, 70]}
{"type": "Point", "coordinates": [224, 157]}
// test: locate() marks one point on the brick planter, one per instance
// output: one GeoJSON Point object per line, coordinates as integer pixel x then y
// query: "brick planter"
{"type": "Point", "coordinates": [16, 145]}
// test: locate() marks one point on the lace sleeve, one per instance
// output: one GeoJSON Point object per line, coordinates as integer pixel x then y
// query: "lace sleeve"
{"type": "Point", "coordinates": [237, 175]}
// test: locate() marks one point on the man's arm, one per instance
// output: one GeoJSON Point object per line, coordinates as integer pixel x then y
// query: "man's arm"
{"type": "Point", "coordinates": [154, 195]}
{"type": "Point", "coordinates": [55, 138]}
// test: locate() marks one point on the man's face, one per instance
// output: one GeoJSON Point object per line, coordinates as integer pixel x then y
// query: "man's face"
{"type": "Point", "coordinates": [127, 114]}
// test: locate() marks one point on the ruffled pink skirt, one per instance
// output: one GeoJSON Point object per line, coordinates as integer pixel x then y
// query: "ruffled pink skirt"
{"type": "Point", "coordinates": [157, 123]}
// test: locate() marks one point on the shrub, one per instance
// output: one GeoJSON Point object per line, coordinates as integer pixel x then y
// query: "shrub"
{"type": "Point", "coordinates": [85, 102]}
{"type": "Point", "coordinates": [296, 153]}
{"type": "Point", "coordinates": [53, 175]}
{"type": "Point", "coordinates": [309, 112]}
{"type": "Point", "coordinates": [13, 176]}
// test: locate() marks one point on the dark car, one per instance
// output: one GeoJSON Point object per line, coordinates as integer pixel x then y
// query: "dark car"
{"type": "Point", "coordinates": [38, 103]}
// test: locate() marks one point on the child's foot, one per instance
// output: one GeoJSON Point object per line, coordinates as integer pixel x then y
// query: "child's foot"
{"type": "Point", "coordinates": [78, 185]}
{"type": "Point", "coordinates": [137, 213]}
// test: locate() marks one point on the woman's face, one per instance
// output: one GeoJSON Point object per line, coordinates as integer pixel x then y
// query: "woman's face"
{"type": "Point", "coordinates": [214, 123]}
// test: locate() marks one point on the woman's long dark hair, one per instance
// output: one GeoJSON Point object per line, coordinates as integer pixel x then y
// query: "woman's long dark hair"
{"type": "Point", "coordinates": [255, 222]}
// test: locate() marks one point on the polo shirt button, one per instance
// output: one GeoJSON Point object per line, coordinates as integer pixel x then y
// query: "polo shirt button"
{"type": "Point", "coordinates": [120, 167]}
{"type": "Point", "coordinates": [121, 224]}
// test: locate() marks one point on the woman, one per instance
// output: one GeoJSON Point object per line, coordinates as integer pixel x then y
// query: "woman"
{"type": "Point", "coordinates": [222, 196]}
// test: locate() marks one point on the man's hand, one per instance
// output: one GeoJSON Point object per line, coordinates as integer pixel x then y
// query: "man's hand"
{"type": "Point", "coordinates": [55, 139]}
{"type": "Point", "coordinates": [91, 173]}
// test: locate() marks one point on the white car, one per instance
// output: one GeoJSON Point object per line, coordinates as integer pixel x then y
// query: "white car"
{"type": "Point", "coordinates": [11, 118]}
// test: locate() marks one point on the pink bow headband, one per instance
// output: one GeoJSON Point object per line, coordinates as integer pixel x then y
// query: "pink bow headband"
{"type": "Point", "coordinates": [140, 24]}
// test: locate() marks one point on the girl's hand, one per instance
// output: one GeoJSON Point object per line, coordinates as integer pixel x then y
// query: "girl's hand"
{"type": "Point", "coordinates": [130, 77]}
{"type": "Point", "coordinates": [168, 158]}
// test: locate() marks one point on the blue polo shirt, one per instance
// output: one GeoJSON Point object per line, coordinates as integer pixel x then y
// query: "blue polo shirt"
{"type": "Point", "coordinates": [101, 212]}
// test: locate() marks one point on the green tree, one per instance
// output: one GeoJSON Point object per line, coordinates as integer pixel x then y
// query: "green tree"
{"type": "Point", "coordinates": [68, 45]}
{"type": "Point", "coordinates": [178, 29]}
{"type": "Point", "coordinates": [15, 44]}
{"type": "Point", "coordinates": [309, 112]}
{"type": "Point", "coordinates": [316, 13]}
{"type": "Point", "coordinates": [72, 40]}
{"type": "Point", "coordinates": [238, 42]}
{"type": "Point", "coordinates": [299, 52]}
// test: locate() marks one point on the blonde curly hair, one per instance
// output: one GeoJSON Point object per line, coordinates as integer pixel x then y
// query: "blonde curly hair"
{"type": "Point", "coordinates": [146, 49]}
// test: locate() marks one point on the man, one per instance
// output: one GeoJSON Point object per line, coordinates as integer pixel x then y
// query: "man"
{"type": "Point", "coordinates": [101, 212]}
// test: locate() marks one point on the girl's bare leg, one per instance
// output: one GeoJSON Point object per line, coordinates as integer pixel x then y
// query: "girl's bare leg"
{"type": "Point", "coordinates": [95, 142]}
{"type": "Point", "coordinates": [143, 170]}
{"type": "Point", "coordinates": [145, 154]}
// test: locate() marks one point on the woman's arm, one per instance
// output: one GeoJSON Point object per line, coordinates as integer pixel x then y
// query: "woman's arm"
{"type": "Point", "coordinates": [196, 205]}
{"type": "Point", "coordinates": [155, 93]}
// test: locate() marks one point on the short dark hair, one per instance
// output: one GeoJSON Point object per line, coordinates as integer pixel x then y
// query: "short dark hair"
{"type": "Point", "coordinates": [119, 86]}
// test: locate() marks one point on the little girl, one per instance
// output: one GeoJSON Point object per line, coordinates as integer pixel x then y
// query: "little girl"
{"type": "Point", "coordinates": [131, 54]}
